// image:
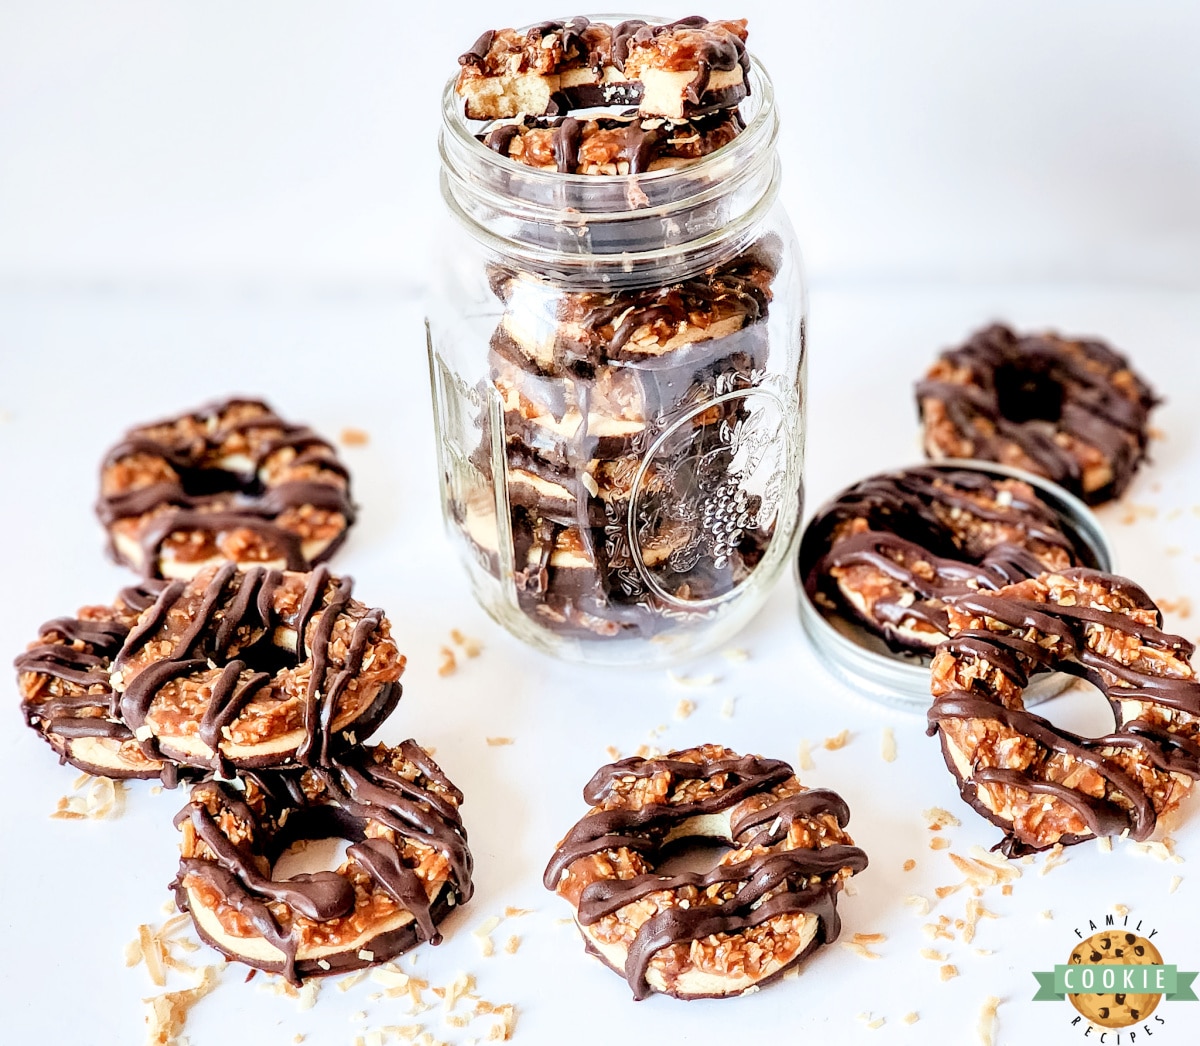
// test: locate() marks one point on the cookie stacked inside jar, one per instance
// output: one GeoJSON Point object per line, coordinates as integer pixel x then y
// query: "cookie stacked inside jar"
{"type": "Point", "coordinates": [639, 414]}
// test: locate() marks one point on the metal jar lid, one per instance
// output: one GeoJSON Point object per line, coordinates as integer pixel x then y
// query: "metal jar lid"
{"type": "Point", "coordinates": [862, 660]}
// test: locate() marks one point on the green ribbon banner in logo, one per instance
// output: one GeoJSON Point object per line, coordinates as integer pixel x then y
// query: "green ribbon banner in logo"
{"type": "Point", "coordinates": [1085, 979]}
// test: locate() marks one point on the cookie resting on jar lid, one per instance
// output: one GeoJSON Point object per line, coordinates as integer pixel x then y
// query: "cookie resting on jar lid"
{"type": "Point", "coordinates": [879, 561]}
{"type": "Point", "coordinates": [229, 482]}
{"type": "Point", "coordinates": [768, 902]}
{"type": "Point", "coordinates": [1044, 785]}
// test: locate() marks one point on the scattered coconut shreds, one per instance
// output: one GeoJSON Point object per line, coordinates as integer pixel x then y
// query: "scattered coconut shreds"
{"type": "Point", "coordinates": [945, 891]}
{"type": "Point", "coordinates": [613, 752]}
{"type": "Point", "coordinates": [861, 950]}
{"type": "Point", "coordinates": [948, 972]}
{"type": "Point", "coordinates": [936, 819]}
{"type": "Point", "coordinates": [736, 655]}
{"type": "Point", "coordinates": [449, 664]}
{"type": "Point", "coordinates": [694, 681]}
{"type": "Point", "coordinates": [360, 1015]}
{"type": "Point", "coordinates": [869, 938]}
{"type": "Point", "coordinates": [1053, 859]}
{"type": "Point", "coordinates": [103, 800]}
{"type": "Point", "coordinates": [983, 951]}
{"type": "Point", "coordinates": [471, 646]}
{"type": "Point", "coordinates": [309, 991]}
{"type": "Point", "coordinates": [499, 742]}
{"type": "Point", "coordinates": [909, 865]}
{"type": "Point", "coordinates": [877, 1023]}
{"type": "Point", "coordinates": [685, 708]}
{"type": "Point", "coordinates": [1174, 883]}
{"type": "Point", "coordinates": [512, 944]}
{"type": "Point", "coordinates": [987, 1020]}
{"type": "Point", "coordinates": [168, 1012]}
{"type": "Point", "coordinates": [804, 761]}
{"type": "Point", "coordinates": [1121, 909]}
{"type": "Point", "coordinates": [911, 1018]}
{"type": "Point", "coordinates": [921, 904]}
{"type": "Point", "coordinates": [727, 707]}
{"type": "Point", "coordinates": [887, 747]}
{"type": "Point", "coordinates": [939, 842]}
{"type": "Point", "coordinates": [933, 955]}
{"type": "Point", "coordinates": [346, 983]}
{"type": "Point", "coordinates": [1006, 868]}
{"type": "Point", "coordinates": [837, 741]}
{"type": "Point", "coordinates": [1181, 606]}
{"type": "Point", "coordinates": [1047, 915]}
{"type": "Point", "coordinates": [515, 913]}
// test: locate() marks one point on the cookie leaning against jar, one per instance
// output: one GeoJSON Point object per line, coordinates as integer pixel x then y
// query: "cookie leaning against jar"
{"type": "Point", "coordinates": [1070, 409]}
{"type": "Point", "coordinates": [898, 545]}
{"type": "Point", "coordinates": [228, 482]}
{"type": "Point", "coordinates": [1040, 783]}
{"type": "Point", "coordinates": [766, 903]}
{"type": "Point", "coordinates": [678, 70]}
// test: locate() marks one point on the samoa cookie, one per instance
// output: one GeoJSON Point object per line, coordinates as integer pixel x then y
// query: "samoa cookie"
{"type": "Point", "coordinates": [767, 902]}
{"type": "Point", "coordinates": [229, 482]}
{"type": "Point", "coordinates": [1042, 784]}
{"type": "Point", "coordinates": [256, 668]}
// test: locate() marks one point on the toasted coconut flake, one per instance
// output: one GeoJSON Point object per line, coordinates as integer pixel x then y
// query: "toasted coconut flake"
{"type": "Point", "coordinates": [937, 819]}
{"type": "Point", "coordinates": [470, 646]}
{"type": "Point", "coordinates": [168, 1012]}
{"type": "Point", "coordinates": [804, 761]}
{"type": "Point", "coordinates": [861, 950]}
{"type": "Point", "coordinates": [839, 740]}
{"type": "Point", "coordinates": [736, 655]}
{"type": "Point", "coordinates": [948, 972]}
{"type": "Point", "coordinates": [500, 742]}
{"type": "Point", "coordinates": [987, 1020]}
{"type": "Point", "coordinates": [449, 664]}
{"type": "Point", "coordinates": [1121, 909]}
{"type": "Point", "coordinates": [727, 707]}
{"type": "Point", "coordinates": [911, 1018]}
{"type": "Point", "coordinates": [887, 747]}
{"type": "Point", "coordinates": [353, 980]}
{"type": "Point", "coordinates": [869, 938]}
{"type": "Point", "coordinates": [921, 904]}
{"type": "Point", "coordinates": [1046, 915]}
{"type": "Point", "coordinates": [933, 955]}
{"type": "Point", "coordinates": [939, 842]}
{"type": "Point", "coordinates": [685, 708]}
{"type": "Point", "coordinates": [694, 681]}
{"type": "Point", "coordinates": [909, 865]}
{"type": "Point", "coordinates": [352, 437]}
{"type": "Point", "coordinates": [1174, 883]}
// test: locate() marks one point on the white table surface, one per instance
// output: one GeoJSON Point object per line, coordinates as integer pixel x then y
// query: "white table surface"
{"type": "Point", "coordinates": [77, 367]}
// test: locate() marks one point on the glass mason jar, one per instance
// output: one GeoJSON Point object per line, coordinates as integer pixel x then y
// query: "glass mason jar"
{"type": "Point", "coordinates": [618, 374]}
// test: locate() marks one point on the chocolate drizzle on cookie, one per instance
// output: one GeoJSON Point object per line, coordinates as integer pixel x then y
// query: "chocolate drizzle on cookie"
{"type": "Point", "coordinates": [400, 789]}
{"type": "Point", "coordinates": [231, 621]}
{"type": "Point", "coordinates": [190, 487]}
{"type": "Point", "coordinates": [773, 882]}
{"type": "Point", "coordinates": [74, 655]}
{"type": "Point", "coordinates": [1057, 402]}
{"type": "Point", "coordinates": [1160, 732]}
{"type": "Point", "coordinates": [937, 533]}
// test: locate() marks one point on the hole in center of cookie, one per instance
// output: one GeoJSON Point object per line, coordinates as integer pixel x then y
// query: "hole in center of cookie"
{"type": "Point", "coordinates": [309, 856]}
{"type": "Point", "coordinates": [1081, 709]}
{"type": "Point", "coordinates": [691, 854]}
{"type": "Point", "coordinates": [1027, 393]}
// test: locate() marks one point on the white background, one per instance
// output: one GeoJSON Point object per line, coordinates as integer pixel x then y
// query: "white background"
{"type": "Point", "coordinates": [197, 198]}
